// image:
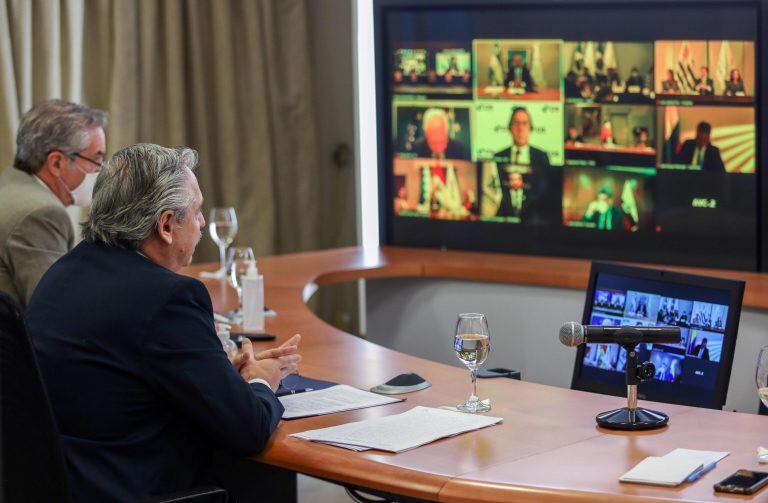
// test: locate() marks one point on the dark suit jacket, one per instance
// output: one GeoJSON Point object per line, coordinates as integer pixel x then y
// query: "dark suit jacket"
{"type": "Point", "coordinates": [732, 88]}
{"type": "Point", "coordinates": [616, 217]}
{"type": "Point", "coordinates": [141, 388]}
{"type": "Point", "coordinates": [526, 77]}
{"type": "Point", "coordinates": [506, 209]}
{"type": "Point", "coordinates": [635, 81]}
{"type": "Point", "coordinates": [539, 158]}
{"type": "Point", "coordinates": [704, 355]}
{"type": "Point", "coordinates": [711, 162]}
{"type": "Point", "coordinates": [541, 191]}
{"type": "Point", "coordinates": [707, 82]}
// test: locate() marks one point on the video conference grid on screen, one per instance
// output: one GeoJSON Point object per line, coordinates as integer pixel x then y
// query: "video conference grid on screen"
{"type": "Point", "coordinates": [693, 362]}
{"type": "Point", "coordinates": [614, 136]}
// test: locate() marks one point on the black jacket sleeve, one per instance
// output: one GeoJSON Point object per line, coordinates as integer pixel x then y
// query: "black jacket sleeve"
{"type": "Point", "coordinates": [185, 362]}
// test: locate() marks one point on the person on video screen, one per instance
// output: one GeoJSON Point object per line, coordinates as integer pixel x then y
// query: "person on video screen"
{"type": "Point", "coordinates": [701, 350]}
{"type": "Point", "coordinates": [521, 152]}
{"type": "Point", "coordinates": [519, 76]}
{"type": "Point", "coordinates": [734, 86]}
{"type": "Point", "coordinates": [437, 141]}
{"type": "Point", "coordinates": [635, 82]}
{"type": "Point", "coordinates": [454, 75]}
{"type": "Point", "coordinates": [603, 213]}
{"type": "Point", "coordinates": [573, 138]}
{"type": "Point", "coordinates": [642, 140]}
{"type": "Point", "coordinates": [516, 199]}
{"type": "Point", "coordinates": [413, 77]}
{"type": "Point", "coordinates": [704, 83]}
{"type": "Point", "coordinates": [670, 85]}
{"type": "Point", "coordinates": [700, 152]}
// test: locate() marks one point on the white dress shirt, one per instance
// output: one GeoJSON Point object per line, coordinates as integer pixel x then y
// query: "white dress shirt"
{"type": "Point", "coordinates": [520, 155]}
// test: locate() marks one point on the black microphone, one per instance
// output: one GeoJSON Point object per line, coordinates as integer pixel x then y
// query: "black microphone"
{"type": "Point", "coordinates": [573, 334]}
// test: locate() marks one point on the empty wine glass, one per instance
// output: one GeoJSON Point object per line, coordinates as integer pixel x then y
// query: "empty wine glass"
{"type": "Point", "coordinates": [222, 226]}
{"type": "Point", "coordinates": [472, 343]}
{"type": "Point", "coordinates": [240, 259]}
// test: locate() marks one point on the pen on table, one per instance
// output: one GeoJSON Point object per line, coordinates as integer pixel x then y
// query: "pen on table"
{"type": "Point", "coordinates": [293, 391]}
{"type": "Point", "coordinates": [701, 471]}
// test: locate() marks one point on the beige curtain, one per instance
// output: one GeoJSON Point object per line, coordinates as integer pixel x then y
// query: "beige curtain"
{"type": "Point", "coordinates": [230, 78]}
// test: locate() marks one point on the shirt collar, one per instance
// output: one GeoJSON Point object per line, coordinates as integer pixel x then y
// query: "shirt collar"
{"type": "Point", "coordinates": [41, 182]}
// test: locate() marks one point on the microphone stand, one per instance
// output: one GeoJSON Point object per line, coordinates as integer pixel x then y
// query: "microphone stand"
{"type": "Point", "coordinates": [633, 417]}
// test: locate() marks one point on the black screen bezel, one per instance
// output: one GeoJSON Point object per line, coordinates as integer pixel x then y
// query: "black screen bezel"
{"type": "Point", "coordinates": [735, 289]}
{"type": "Point", "coordinates": [580, 243]}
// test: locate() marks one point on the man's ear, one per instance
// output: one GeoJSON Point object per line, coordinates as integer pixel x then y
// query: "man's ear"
{"type": "Point", "coordinates": [165, 225]}
{"type": "Point", "coordinates": [55, 162]}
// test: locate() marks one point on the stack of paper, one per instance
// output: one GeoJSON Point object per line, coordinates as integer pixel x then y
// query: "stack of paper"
{"type": "Point", "coordinates": [399, 432]}
{"type": "Point", "coordinates": [672, 469]}
{"type": "Point", "coordinates": [329, 400]}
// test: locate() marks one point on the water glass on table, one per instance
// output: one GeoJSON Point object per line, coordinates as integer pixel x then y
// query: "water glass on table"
{"type": "Point", "coordinates": [222, 226]}
{"type": "Point", "coordinates": [239, 260]}
{"type": "Point", "coordinates": [472, 343]}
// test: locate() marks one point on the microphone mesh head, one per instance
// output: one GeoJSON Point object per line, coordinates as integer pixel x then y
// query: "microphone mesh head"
{"type": "Point", "coordinates": [571, 333]}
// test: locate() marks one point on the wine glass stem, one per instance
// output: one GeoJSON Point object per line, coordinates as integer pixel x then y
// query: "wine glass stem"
{"type": "Point", "coordinates": [239, 299]}
{"type": "Point", "coordinates": [473, 374]}
{"type": "Point", "coordinates": [222, 253]}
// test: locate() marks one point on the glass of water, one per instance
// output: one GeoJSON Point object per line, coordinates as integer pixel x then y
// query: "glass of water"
{"type": "Point", "coordinates": [240, 258]}
{"type": "Point", "coordinates": [472, 343]}
{"type": "Point", "coordinates": [222, 226]}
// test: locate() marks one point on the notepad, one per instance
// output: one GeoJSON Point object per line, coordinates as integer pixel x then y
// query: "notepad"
{"type": "Point", "coordinates": [399, 432]}
{"type": "Point", "coordinates": [337, 398]}
{"type": "Point", "coordinates": [672, 469]}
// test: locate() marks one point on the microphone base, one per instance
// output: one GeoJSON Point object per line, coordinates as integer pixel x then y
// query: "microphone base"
{"type": "Point", "coordinates": [637, 419]}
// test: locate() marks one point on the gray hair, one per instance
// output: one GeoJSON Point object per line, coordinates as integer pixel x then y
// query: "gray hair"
{"type": "Point", "coordinates": [54, 125]}
{"type": "Point", "coordinates": [133, 190]}
{"type": "Point", "coordinates": [431, 113]}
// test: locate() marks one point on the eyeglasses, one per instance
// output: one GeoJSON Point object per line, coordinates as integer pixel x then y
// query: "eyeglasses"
{"type": "Point", "coordinates": [92, 161]}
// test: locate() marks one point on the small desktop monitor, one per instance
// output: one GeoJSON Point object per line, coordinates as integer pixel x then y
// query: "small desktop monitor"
{"type": "Point", "coordinates": [695, 371]}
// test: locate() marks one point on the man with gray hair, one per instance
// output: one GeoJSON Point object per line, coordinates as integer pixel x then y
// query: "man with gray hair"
{"type": "Point", "coordinates": [60, 147]}
{"type": "Point", "coordinates": [140, 385]}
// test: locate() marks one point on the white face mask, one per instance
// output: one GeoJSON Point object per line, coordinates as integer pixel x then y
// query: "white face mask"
{"type": "Point", "coordinates": [82, 194]}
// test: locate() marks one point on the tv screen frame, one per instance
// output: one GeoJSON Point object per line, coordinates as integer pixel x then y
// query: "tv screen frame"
{"type": "Point", "coordinates": [637, 247]}
{"type": "Point", "coordinates": [735, 293]}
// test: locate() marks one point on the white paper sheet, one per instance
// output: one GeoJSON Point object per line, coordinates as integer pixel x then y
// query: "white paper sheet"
{"type": "Point", "coordinates": [400, 432]}
{"type": "Point", "coordinates": [671, 469]}
{"type": "Point", "coordinates": [704, 457]}
{"type": "Point", "coordinates": [661, 471]}
{"type": "Point", "coordinates": [334, 399]}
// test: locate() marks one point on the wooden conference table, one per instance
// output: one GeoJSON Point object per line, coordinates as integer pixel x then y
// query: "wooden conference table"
{"type": "Point", "coordinates": [548, 447]}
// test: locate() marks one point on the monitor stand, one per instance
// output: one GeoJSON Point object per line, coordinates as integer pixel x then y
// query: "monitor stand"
{"type": "Point", "coordinates": [633, 417]}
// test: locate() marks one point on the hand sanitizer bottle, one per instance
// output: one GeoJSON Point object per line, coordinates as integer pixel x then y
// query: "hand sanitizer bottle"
{"type": "Point", "coordinates": [253, 299]}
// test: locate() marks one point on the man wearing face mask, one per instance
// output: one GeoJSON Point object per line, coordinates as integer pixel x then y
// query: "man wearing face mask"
{"type": "Point", "coordinates": [60, 147]}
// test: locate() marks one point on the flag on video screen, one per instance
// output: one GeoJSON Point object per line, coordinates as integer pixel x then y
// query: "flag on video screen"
{"type": "Point", "coordinates": [737, 147]}
{"type": "Point", "coordinates": [685, 64]}
{"type": "Point", "coordinates": [724, 62]}
{"type": "Point", "coordinates": [491, 190]}
{"type": "Point", "coordinates": [609, 56]}
{"type": "Point", "coordinates": [578, 59]}
{"type": "Point", "coordinates": [537, 73]}
{"type": "Point", "coordinates": [671, 132]}
{"type": "Point", "coordinates": [589, 57]}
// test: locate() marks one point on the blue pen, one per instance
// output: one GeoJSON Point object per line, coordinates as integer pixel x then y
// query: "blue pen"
{"type": "Point", "coordinates": [701, 471]}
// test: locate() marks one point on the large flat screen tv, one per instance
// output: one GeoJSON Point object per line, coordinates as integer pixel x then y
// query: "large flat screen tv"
{"type": "Point", "coordinates": [619, 130]}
